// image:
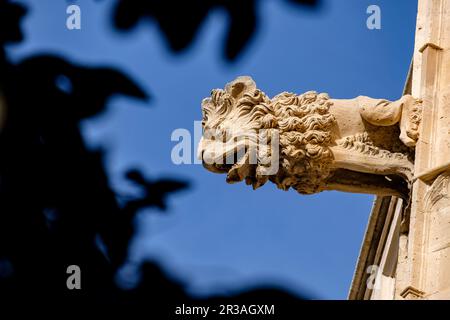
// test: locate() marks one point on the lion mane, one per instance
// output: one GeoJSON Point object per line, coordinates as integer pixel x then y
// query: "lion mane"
{"type": "Point", "coordinates": [305, 126]}
{"type": "Point", "coordinates": [303, 122]}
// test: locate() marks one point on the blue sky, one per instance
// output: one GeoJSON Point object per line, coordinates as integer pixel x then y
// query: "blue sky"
{"type": "Point", "coordinates": [220, 237]}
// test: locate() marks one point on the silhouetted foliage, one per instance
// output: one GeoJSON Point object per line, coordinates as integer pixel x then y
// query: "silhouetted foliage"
{"type": "Point", "coordinates": [155, 191]}
{"type": "Point", "coordinates": [180, 20]}
{"type": "Point", "coordinates": [56, 205]}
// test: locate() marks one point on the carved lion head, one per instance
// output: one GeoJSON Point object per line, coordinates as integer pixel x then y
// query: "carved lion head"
{"type": "Point", "coordinates": [246, 134]}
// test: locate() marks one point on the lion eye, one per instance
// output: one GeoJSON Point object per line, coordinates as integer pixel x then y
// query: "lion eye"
{"type": "Point", "coordinates": [223, 134]}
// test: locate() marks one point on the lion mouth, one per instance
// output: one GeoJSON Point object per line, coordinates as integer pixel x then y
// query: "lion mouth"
{"type": "Point", "coordinates": [241, 170]}
{"type": "Point", "coordinates": [231, 158]}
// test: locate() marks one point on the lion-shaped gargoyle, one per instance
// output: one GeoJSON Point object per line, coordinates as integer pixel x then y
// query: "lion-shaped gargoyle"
{"type": "Point", "coordinates": [310, 142]}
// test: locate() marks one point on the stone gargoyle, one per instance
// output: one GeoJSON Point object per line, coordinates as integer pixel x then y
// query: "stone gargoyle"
{"type": "Point", "coordinates": [361, 145]}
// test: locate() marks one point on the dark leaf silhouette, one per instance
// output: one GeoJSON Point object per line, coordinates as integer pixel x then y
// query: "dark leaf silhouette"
{"type": "Point", "coordinates": [311, 3]}
{"type": "Point", "coordinates": [155, 192]}
{"type": "Point", "coordinates": [78, 92]}
{"type": "Point", "coordinates": [180, 20]}
{"type": "Point", "coordinates": [10, 16]}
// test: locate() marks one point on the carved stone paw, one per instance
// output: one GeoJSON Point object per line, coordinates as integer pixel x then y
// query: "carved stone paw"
{"type": "Point", "coordinates": [412, 115]}
{"type": "Point", "coordinates": [404, 137]}
{"type": "Point", "coordinates": [415, 117]}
